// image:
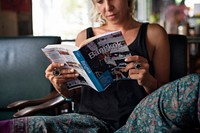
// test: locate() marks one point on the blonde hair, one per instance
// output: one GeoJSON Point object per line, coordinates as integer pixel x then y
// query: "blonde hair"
{"type": "Point", "coordinates": [97, 17]}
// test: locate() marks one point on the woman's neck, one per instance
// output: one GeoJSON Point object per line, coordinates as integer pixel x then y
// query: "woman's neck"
{"type": "Point", "coordinates": [123, 26]}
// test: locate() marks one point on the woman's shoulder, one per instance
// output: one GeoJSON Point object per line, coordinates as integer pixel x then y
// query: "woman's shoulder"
{"type": "Point", "coordinates": [155, 29]}
{"type": "Point", "coordinates": [81, 37]}
{"type": "Point", "coordinates": [156, 34]}
{"type": "Point", "coordinates": [93, 31]}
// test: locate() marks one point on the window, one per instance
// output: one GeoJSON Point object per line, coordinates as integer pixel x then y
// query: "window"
{"type": "Point", "coordinates": [65, 18]}
{"type": "Point", "coordinates": [143, 10]}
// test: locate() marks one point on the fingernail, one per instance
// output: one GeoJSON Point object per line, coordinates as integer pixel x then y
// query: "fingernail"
{"type": "Point", "coordinates": [125, 59]}
{"type": "Point", "coordinates": [72, 70]}
{"type": "Point", "coordinates": [62, 64]}
{"type": "Point", "coordinates": [76, 74]}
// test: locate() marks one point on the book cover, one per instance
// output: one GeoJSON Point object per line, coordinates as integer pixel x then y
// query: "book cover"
{"type": "Point", "coordinates": [99, 60]}
{"type": "Point", "coordinates": [105, 56]}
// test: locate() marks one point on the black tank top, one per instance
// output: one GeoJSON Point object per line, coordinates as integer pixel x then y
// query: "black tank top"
{"type": "Point", "coordinates": [115, 104]}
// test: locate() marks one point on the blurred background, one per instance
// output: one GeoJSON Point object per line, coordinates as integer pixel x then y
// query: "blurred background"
{"type": "Point", "coordinates": [66, 18]}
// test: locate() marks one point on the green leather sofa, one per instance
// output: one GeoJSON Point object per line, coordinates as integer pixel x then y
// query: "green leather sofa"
{"type": "Point", "coordinates": [22, 70]}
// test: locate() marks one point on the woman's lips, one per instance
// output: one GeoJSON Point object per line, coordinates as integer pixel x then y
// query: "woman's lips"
{"type": "Point", "coordinates": [111, 16]}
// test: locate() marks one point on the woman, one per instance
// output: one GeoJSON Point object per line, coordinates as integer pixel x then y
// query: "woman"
{"type": "Point", "coordinates": [117, 108]}
{"type": "Point", "coordinates": [148, 44]}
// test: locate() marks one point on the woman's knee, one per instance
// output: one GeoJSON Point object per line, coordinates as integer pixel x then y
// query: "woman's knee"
{"type": "Point", "coordinates": [193, 76]}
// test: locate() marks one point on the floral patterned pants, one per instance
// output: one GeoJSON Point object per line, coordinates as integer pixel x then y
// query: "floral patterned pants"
{"type": "Point", "coordinates": [175, 107]}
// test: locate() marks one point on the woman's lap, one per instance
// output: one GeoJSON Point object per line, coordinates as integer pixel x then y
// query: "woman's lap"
{"type": "Point", "coordinates": [68, 123]}
{"type": "Point", "coordinates": [175, 105]}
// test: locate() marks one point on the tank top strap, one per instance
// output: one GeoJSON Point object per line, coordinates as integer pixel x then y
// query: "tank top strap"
{"type": "Point", "coordinates": [139, 45]}
{"type": "Point", "coordinates": [89, 32]}
{"type": "Point", "coordinates": [143, 32]}
{"type": "Point", "coordinates": [142, 40]}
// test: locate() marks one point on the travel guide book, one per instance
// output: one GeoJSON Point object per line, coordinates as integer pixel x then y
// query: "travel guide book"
{"type": "Point", "coordinates": [99, 61]}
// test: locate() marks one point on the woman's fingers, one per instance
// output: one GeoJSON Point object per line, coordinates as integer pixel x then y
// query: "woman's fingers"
{"type": "Point", "coordinates": [138, 68]}
{"type": "Point", "coordinates": [136, 62]}
{"type": "Point", "coordinates": [136, 58]}
{"type": "Point", "coordinates": [58, 74]}
{"type": "Point", "coordinates": [55, 68]}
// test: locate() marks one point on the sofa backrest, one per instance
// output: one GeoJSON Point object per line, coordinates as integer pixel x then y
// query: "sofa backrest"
{"type": "Point", "coordinates": [22, 69]}
{"type": "Point", "coordinates": [178, 56]}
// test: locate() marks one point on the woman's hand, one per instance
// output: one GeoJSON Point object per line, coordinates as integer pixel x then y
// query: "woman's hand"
{"type": "Point", "coordinates": [138, 69]}
{"type": "Point", "coordinates": [58, 81]}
